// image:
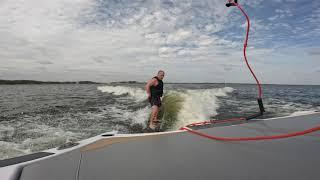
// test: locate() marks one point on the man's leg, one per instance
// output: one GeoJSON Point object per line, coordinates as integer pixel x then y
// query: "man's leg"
{"type": "Point", "coordinates": [158, 104]}
{"type": "Point", "coordinates": [154, 114]}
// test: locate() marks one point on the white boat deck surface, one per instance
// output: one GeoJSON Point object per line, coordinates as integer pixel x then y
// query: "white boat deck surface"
{"type": "Point", "coordinates": [182, 155]}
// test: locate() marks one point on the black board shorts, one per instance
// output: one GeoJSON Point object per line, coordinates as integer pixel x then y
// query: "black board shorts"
{"type": "Point", "coordinates": [155, 101]}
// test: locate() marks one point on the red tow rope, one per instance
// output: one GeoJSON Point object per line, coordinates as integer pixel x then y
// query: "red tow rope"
{"type": "Point", "coordinates": [216, 121]}
{"type": "Point", "coordinates": [299, 133]}
{"type": "Point", "coordinates": [235, 3]}
{"type": "Point", "coordinates": [281, 136]}
{"type": "Point", "coordinates": [245, 48]}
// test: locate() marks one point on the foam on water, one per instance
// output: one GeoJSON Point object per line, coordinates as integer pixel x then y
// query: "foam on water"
{"type": "Point", "coordinates": [299, 113]}
{"type": "Point", "coordinates": [140, 116]}
{"type": "Point", "coordinates": [39, 137]}
{"type": "Point", "coordinates": [198, 105]}
{"type": "Point", "coordinates": [11, 149]}
{"type": "Point", "coordinates": [137, 93]}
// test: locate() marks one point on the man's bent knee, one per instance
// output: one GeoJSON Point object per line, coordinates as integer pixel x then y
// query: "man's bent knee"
{"type": "Point", "coordinates": [155, 108]}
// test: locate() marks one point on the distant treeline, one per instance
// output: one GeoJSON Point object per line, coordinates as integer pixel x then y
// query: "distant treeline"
{"type": "Point", "coordinates": [127, 82]}
{"type": "Point", "coordinates": [43, 82]}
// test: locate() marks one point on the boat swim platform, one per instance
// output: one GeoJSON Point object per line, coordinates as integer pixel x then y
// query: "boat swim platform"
{"type": "Point", "coordinates": [183, 155]}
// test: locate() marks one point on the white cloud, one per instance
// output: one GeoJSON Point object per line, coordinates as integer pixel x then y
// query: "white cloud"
{"type": "Point", "coordinates": [178, 36]}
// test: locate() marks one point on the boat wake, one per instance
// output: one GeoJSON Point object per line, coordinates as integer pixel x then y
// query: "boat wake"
{"type": "Point", "coordinates": [180, 107]}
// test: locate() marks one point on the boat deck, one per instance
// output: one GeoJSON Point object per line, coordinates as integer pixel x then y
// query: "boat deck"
{"type": "Point", "coordinates": [182, 155]}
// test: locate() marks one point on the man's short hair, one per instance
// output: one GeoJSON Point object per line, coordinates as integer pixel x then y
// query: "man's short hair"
{"type": "Point", "coordinates": [160, 71]}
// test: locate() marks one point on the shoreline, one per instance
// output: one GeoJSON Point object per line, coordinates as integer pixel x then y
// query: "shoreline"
{"type": "Point", "coordinates": [34, 82]}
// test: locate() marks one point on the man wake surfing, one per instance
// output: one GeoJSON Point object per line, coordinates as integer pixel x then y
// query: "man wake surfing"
{"type": "Point", "coordinates": [154, 88]}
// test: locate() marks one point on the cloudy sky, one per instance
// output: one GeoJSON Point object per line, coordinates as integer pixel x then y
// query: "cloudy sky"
{"type": "Point", "coordinates": [192, 40]}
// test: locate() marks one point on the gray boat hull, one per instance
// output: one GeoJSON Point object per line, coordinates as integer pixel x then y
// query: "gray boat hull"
{"type": "Point", "coordinates": [182, 155]}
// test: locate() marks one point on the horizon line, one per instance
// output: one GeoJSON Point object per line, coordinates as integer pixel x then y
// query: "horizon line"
{"type": "Point", "coordinates": [138, 82]}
